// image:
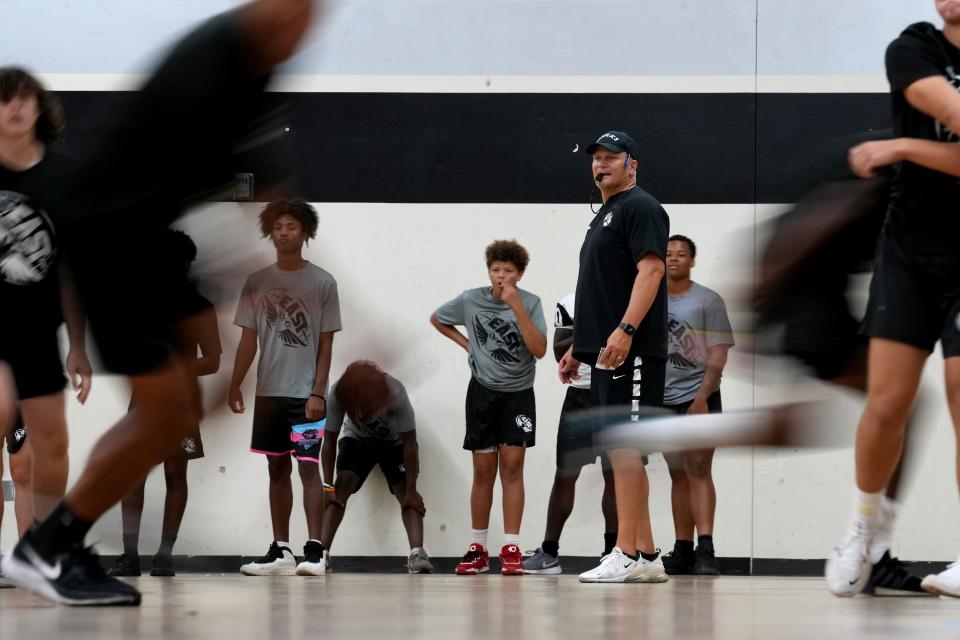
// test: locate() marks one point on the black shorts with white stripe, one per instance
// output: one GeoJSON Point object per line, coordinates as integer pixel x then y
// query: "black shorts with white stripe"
{"type": "Point", "coordinates": [637, 383]}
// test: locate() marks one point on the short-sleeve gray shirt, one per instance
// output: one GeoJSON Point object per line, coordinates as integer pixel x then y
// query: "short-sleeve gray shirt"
{"type": "Point", "coordinates": [499, 358]}
{"type": "Point", "coordinates": [696, 321]}
{"type": "Point", "coordinates": [288, 310]}
{"type": "Point", "coordinates": [382, 429]}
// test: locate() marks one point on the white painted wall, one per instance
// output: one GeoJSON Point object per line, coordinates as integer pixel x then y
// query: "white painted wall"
{"type": "Point", "coordinates": [394, 265]}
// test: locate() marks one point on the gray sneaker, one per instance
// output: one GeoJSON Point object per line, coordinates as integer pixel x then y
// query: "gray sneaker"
{"type": "Point", "coordinates": [419, 562]}
{"type": "Point", "coordinates": [542, 563]}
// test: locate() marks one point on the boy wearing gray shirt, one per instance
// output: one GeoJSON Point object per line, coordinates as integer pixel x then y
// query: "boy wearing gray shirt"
{"type": "Point", "coordinates": [506, 334]}
{"type": "Point", "coordinates": [374, 413]}
{"type": "Point", "coordinates": [699, 336]}
{"type": "Point", "coordinates": [291, 310]}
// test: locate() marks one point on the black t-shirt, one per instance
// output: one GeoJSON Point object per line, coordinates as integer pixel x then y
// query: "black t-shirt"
{"type": "Point", "coordinates": [628, 227]}
{"type": "Point", "coordinates": [29, 290]}
{"type": "Point", "coordinates": [924, 202]}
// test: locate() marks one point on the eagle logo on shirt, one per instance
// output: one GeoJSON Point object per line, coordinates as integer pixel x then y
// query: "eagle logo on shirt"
{"type": "Point", "coordinates": [945, 133]}
{"type": "Point", "coordinates": [26, 240]}
{"type": "Point", "coordinates": [287, 316]}
{"type": "Point", "coordinates": [607, 219]}
{"type": "Point", "coordinates": [685, 351]}
{"type": "Point", "coordinates": [499, 337]}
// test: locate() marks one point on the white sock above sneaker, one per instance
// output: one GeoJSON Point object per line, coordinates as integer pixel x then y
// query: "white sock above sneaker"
{"type": "Point", "coordinates": [283, 545]}
{"type": "Point", "coordinates": [479, 537]}
{"type": "Point", "coordinates": [866, 508]}
{"type": "Point", "coordinates": [511, 538]}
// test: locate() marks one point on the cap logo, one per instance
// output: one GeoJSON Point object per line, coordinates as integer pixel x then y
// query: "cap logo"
{"type": "Point", "coordinates": [609, 135]}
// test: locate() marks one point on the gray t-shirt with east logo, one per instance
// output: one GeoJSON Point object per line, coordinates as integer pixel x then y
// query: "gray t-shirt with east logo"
{"type": "Point", "coordinates": [288, 310]}
{"type": "Point", "coordinates": [696, 321]}
{"type": "Point", "coordinates": [382, 428]}
{"type": "Point", "coordinates": [499, 359]}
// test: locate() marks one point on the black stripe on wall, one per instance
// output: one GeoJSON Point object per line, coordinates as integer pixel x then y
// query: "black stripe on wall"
{"type": "Point", "coordinates": [518, 148]}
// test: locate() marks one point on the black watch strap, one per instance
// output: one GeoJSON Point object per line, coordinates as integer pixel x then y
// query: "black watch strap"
{"type": "Point", "coordinates": [628, 329]}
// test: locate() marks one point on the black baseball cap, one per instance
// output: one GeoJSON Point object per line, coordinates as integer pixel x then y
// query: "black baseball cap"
{"type": "Point", "coordinates": [616, 141]}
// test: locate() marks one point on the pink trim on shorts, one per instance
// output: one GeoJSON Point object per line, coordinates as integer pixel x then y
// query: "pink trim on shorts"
{"type": "Point", "coordinates": [306, 459]}
{"type": "Point", "coordinates": [271, 453]}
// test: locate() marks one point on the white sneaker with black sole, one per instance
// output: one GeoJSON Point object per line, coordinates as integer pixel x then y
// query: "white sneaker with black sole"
{"type": "Point", "coordinates": [72, 577]}
{"type": "Point", "coordinates": [648, 571]}
{"type": "Point", "coordinates": [314, 560]}
{"type": "Point", "coordinates": [615, 567]}
{"type": "Point", "coordinates": [279, 561]}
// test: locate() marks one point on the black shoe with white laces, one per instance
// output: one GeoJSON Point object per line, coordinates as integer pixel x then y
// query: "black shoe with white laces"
{"type": "Point", "coordinates": [72, 576]}
{"type": "Point", "coordinates": [891, 577]}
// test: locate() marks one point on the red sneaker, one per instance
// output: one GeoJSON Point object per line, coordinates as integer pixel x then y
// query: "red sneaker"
{"type": "Point", "coordinates": [511, 561]}
{"type": "Point", "coordinates": [475, 561]}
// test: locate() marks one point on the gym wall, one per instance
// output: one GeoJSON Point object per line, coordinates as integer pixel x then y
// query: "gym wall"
{"type": "Point", "coordinates": [422, 130]}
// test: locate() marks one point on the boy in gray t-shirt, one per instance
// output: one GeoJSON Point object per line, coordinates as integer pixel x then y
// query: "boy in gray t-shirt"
{"type": "Point", "coordinates": [379, 429]}
{"type": "Point", "coordinates": [291, 309]}
{"type": "Point", "coordinates": [699, 336]}
{"type": "Point", "coordinates": [506, 334]}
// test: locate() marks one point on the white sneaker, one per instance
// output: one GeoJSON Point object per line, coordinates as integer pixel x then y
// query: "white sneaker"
{"type": "Point", "coordinates": [3, 583]}
{"type": "Point", "coordinates": [614, 567]}
{"type": "Point", "coordinates": [945, 583]}
{"type": "Point", "coordinates": [648, 571]}
{"type": "Point", "coordinates": [314, 560]}
{"type": "Point", "coordinates": [279, 561]}
{"type": "Point", "coordinates": [848, 568]}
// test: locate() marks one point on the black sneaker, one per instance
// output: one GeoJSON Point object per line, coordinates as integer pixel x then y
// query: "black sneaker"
{"type": "Point", "coordinates": [72, 577]}
{"type": "Point", "coordinates": [678, 562]}
{"type": "Point", "coordinates": [162, 567]}
{"type": "Point", "coordinates": [891, 577]}
{"type": "Point", "coordinates": [705, 563]}
{"type": "Point", "coordinates": [126, 566]}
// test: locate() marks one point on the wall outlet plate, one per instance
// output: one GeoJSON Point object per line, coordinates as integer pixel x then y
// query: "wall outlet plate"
{"type": "Point", "coordinates": [7, 491]}
{"type": "Point", "coordinates": [243, 187]}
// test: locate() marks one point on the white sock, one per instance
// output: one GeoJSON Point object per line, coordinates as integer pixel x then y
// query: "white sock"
{"type": "Point", "coordinates": [284, 545]}
{"type": "Point", "coordinates": [886, 519]}
{"type": "Point", "coordinates": [479, 537]}
{"type": "Point", "coordinates": [511, 538]}
{"type": "Point", "coordinates": [314, 540]}
{"type": "Point", "coordinates": [415, 549]}
{"type": "Point", "coordinates": [866, 508]}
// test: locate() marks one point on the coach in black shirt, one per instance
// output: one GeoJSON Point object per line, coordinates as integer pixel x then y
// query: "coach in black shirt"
{"type": "Point", "coordinates": [621, 311]}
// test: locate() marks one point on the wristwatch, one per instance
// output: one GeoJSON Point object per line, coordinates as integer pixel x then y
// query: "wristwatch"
{"type": "Point", "coordinates": [628, 329]}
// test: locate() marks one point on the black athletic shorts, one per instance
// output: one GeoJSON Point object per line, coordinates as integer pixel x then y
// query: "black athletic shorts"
{"type": "Point", "coordinates": [637, 383]}
{"type": "Point", "coordinates": [281, 428]}
{"type": "Point", "coordinates": [361, 457]}
{"type": "Point", "coordinates": [915, 297]}
{"type": "Point", "coordinates": [34, 359]}
{"type": "Point", "coordinates": [496, 418]}
{"type": "Point", "coordinates": [17, 436]}
{"type": "Point", "coordinates": [714, 405]}
{"type": "Point", "coordinates": [575, 441]}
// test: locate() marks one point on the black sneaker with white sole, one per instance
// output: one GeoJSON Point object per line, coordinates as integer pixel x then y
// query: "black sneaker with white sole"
{"type": "Point", "coordinates": [73, 576]}
{"type": "Point", "coordinates": [891, 577]}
